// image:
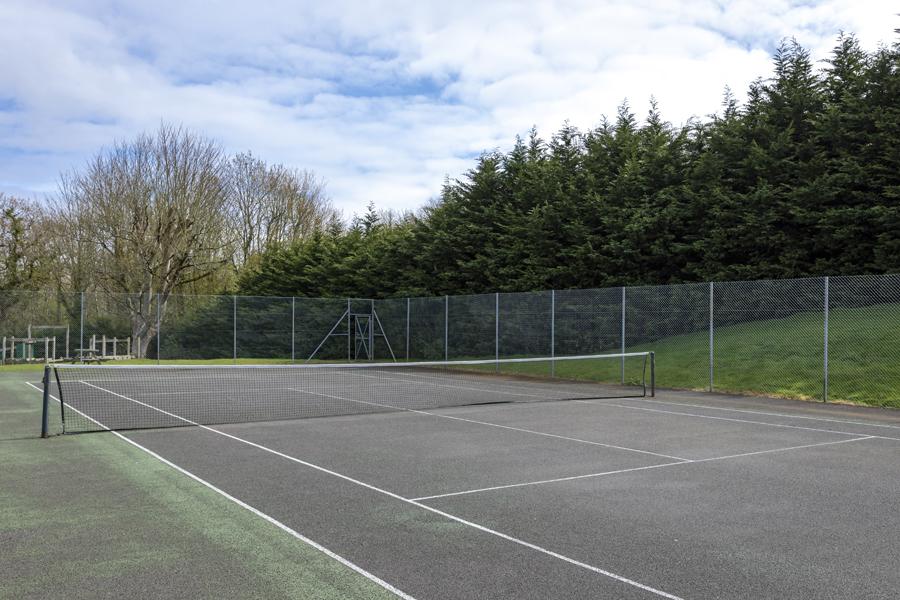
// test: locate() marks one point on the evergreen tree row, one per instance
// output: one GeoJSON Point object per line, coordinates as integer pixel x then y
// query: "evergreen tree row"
{"type": "Point", "coordinates": [802, 179]}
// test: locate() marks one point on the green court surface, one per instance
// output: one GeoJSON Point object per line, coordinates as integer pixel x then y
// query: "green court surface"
{"type": "Point", "coordinates": [88, 516]}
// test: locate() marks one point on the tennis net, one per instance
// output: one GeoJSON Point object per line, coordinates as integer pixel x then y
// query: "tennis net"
{"type": "Point", "coordinates": [118, 397]}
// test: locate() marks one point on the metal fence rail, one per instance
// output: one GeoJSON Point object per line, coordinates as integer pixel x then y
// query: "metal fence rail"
{"type": "Point", "coordinates": [834, 338]}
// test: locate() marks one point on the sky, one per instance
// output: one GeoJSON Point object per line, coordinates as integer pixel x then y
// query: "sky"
{"type": "Point", "coordinates": [383, 100]}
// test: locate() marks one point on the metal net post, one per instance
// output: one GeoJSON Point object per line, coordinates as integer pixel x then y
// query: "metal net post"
{"type": "Point", "coordinates": [45, 407]}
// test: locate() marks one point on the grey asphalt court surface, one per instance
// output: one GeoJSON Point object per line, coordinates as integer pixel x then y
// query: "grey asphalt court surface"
{"type": "Point", "coordinates": [684, 495]}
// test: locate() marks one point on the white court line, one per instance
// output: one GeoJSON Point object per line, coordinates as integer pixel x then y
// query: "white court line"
{"type": "Point", "coordinates": [531, 431]}
{"type": "Point", "coordinates": [771, 414]}
{"type": "Point", "coordinates": [687, 414]}
{"type": "Point", "coordinates": [425, 507]}
{"type": "Point", "coordinates": [552, 435]}
{"type": "Point", "coordinates": [620, 471]}
{"type": "Point", "coordinates": [373, 578]}
{"type": "Point", "coordinates": [543, 481]}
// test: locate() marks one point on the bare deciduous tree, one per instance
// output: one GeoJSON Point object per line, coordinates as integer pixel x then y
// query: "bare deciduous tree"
{"type": "Point", "coordinates": [148, 215]}
{"type": "Point", "coordinates": [272, 204]}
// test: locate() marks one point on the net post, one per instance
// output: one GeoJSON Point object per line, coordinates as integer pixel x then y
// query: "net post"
{"type": "Point", "coordinates": [711, 335]}
{"type": "Point", "coordinates": [446, 327]}
{"type": "Point", "coordinates": [45, 406]}
{"type": "Point", "coordinates": [653, 374]}
{"type": "Point", "coordinates": [825, 346]}
{"type": "Point", "coordinates": [552, 333]}
{"type": "Point", "coordinates": [623, 334]}
{"type": "Point", "coordinates": [293, 328]}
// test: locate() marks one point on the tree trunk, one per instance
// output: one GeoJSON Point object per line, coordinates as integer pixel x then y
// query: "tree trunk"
{"type": "Point", "coordinates": [143, 329]}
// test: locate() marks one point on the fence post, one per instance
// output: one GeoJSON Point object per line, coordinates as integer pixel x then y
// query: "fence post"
{"type": "Point", "coordinates": [711, 335]}
{"type": "Point", "coordinates": [158, 325]}
{"type": "Point", "coordinates": [552, 333]}
{"type": "Point", "coordinates": [80, 334]}
{"type": "Point", "coordinates": [407, 328]}
{"type": "Point", "coordinates": [825, 347]}
{"type": "Point", "coordinates": [234, 329]}
{"type": "Point", "coordinates": [349, 331]}
{"type": "Point", "coordinates": [446, 327]}
{"type": "Point", "coordinates": [293, 329]}
{"type": "Point", "coordinates": [497, 330]}
{"type": "Point", "coordinates": [623, 334]}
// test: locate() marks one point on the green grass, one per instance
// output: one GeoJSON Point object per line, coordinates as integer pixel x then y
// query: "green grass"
{"type": "Point", "coordinates": [19, 368]}
{"type": "Point", "coordinates": [784, 357]}
{"type": "Point", "coordinates": [777, 357]}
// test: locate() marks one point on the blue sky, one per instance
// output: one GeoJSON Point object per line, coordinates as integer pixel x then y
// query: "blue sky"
{"type": "Point", "coordinates": [381, 99]}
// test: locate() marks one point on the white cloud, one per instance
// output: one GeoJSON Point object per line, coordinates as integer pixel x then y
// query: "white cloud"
{"type": "Point", "coordinates": [382, 98]}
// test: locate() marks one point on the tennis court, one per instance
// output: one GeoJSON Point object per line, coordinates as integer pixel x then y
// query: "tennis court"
{"type": "Point", "coordinates": [482, 481]}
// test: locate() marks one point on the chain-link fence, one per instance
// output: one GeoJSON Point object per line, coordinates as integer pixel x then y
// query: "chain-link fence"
{"type": "Point", "coordinates": [832, 338]}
